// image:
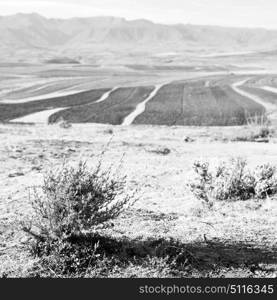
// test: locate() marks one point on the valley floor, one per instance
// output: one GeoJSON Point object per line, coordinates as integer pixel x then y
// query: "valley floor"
{"type": "Point", "coordinates": [231, 239]}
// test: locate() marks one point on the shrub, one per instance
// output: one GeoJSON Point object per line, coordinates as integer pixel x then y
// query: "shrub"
{"type": "Point", "coordinates": [266, 181]}
{"type": "Point", "coordinates": [64, 258]}
{"type": "Point", "coordinates": [254, 134]}
{"type": "Point", "coordinates": [74, 200]}
{"type": "Point", "coordinates": [62, 123]}
{"type": "Point", "coordinates": [233, 181]}
{"type": "Point", "coordinates": [258, 129]}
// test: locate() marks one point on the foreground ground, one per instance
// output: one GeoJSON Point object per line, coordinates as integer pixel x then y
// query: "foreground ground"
{"type": "Point", "coordinates": [231, 239]}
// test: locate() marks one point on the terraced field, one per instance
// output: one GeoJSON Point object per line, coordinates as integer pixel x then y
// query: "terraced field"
{"type": "Point", "coordinates": [195, 104]}
{"type": "Point", "coordinates": [13, 111]}
{"type": "Point", "coordinates": [165, 108]}
{"type": "Point", "coordinates": [113, 110]}
{"type": "Point", "coordinates": [211, 101]}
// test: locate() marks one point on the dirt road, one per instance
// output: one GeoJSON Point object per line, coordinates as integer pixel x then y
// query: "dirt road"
{"type": "Point", "coordinates": [269, 107]}
{"type": "Point", "coordinates": [141, 107]}
{"type": "Point", "coordinates": [106, 95]}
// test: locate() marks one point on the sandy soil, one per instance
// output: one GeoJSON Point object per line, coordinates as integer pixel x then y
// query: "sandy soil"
{"type": "Point", "coordinates": [38, 117]}
{"type": "Point", "coordinates": [244, 231]}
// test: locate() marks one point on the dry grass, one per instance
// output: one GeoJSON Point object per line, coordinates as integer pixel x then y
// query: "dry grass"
{"type": "Point", "coordinates": [258, 129]}
{"type": "Point", "coordinates": [168, 232]}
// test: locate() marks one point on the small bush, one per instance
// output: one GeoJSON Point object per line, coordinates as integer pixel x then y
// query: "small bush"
{"type": "Point", "coordinates": [258, 129]}
{"type": "Point", "coordinates": [64, 258]}
{"type": "Point", "coordinates": [266, 181]}
{"type": "Point", "coordinates": [74, 200]}
{"type": "Point", "coordinates": [255, 134]}
{"type": "Point", "coordinates": [62, 123]}
{"type": "Point", "coordinates": [233, 181]}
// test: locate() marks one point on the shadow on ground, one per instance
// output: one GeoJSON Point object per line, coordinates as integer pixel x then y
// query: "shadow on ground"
{"type": "Point", "coordinates": [185, 259]}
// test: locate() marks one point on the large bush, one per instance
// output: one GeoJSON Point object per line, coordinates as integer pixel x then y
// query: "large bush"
{"type": "Point", "coordinates": [233, 181]}
{"type": "Point", "coordinates": [74, 200]}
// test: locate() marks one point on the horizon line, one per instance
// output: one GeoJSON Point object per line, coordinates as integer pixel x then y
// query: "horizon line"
{"type": "Point", "coordinates": [139, 19]}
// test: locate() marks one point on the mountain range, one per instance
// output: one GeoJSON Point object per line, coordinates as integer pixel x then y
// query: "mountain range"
{"type": "Point", "coordinates": [34, 32]}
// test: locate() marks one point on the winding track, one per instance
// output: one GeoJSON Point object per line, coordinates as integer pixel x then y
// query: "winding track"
{"type": "Point", "coordinates": [269, 89]}
{"type": "Point", "coordinates": [140, 107]}
{"type": "Point", "coordinates": [235, 86]}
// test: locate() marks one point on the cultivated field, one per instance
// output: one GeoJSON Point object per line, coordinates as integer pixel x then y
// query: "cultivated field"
{"type": "Point", "coordinates": [13, 111]}
{"type": "Point", "coordinates": [208, 100]}
{"type": "Point", "coordinates": [113, 110]}
{"type": "Point", "coordinates": [195, 104]}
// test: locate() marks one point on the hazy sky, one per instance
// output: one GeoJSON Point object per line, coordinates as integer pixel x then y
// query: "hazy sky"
{"type": "Point", "coordinates": [242, 13]}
